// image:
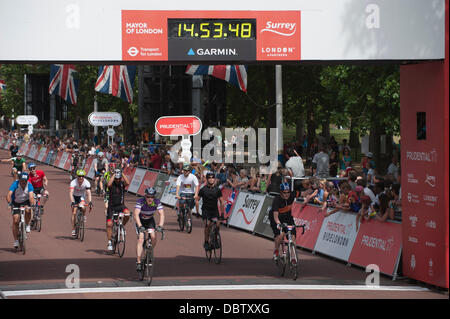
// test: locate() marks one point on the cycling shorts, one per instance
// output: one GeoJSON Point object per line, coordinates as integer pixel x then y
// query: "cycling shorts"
{"type": "Point", "coordinates": [189, 200]}
{"type": "Point", "coordinates": [78, 199]}
{"type": "Point", "coordinates": [147, 223]}
{"type": "Point", "coordinates": [112, 209]}
{"type": "Point", "coordinates": [212, 215]}
{"type": "Point", "coordinates": [287, 220]}
{"type": "Point", "coordinates": [17, 205]}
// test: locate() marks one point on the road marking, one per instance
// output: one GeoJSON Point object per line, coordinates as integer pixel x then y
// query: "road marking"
{"type": "Point", "coordinates": [13, 293]}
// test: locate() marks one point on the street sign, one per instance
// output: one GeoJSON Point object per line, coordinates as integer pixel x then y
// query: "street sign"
{"type": "Point", "coordinates": [105, 119]}
{"type": "Point", "coordinates": [110, 132]}
{"type": "Point", "coordinates": [178, 125]}
{"type": "Point", "coordinates": [27, 120]}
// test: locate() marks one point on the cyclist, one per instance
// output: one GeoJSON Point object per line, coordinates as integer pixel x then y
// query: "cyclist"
{"type": "Point", "coordinates": [79, 187]}
{"type": "Point", "coordinates": [281, 213]}
{"type": "Point", "coordinates": [186, 183]}
{"type": "Point", "coordinates": [18, 165]}
{"type": "Point", "coordinates": [39, 182]}
{"type": "Point", "coordinates": [13, 149]}
{"type": "Point", "coordinates": [100, 164]}
{"type": "Point", "coordinates": [106, 177]}
{"type": "Point", "coordinates": [20, 194]}
{"type": "Point", "coordinates": [116, 189]}
{"type": "Point", "coordinates": [211, 195]}
{"type": "Point", "coordinates": [144, 217]}
{"type": "Point", "coordinates": [77, 162]}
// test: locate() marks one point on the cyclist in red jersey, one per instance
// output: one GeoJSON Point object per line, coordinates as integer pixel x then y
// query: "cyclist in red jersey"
{"type": "Point", "coordinates": [40, 183]}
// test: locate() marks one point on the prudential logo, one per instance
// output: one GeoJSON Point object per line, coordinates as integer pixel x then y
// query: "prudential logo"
{"type": "Point", "coordinates": [284, 29]}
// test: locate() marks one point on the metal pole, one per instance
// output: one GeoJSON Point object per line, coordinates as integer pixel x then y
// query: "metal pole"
{"type": "Point", "coordinates": [95, 110]}
{"type": "Point", "coordinates": [279, 109]}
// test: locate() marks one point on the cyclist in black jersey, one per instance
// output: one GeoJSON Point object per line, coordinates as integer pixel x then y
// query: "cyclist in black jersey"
{"type": "Point", "coordinates": [281, 213]}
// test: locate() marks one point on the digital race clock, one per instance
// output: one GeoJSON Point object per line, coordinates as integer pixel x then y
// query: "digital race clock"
{"type": "Point", "coordinates": [210, 36]}
{"type": "Point", "coordinates": [211, 29]}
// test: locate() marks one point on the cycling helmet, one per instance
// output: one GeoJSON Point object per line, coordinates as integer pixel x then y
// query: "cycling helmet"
{"type": "Point", "coordinates": [31, 165]}
{"type": "Point", "coordinates": [117, 173]}
{"type": "Point", "coordinates": [209, 174]}
{"type": "Point", "coordinates": [187, 167]}
{"type": "Point", "coordinates": [81, 172]}
{"type": "Point", "coordinates": [23, 176]}
{"type": "Point", "coordinates": [100, 154]}
{"type": "Point", "coordinates": [150, 191]}
{"type": "Point", "coordinates": [285, 187]}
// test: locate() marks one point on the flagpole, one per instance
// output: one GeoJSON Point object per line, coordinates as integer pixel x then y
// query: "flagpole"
{"type": "Point", "coordinates": [279, 109]}
{"type": "Point", "coordinates": [95, 110]}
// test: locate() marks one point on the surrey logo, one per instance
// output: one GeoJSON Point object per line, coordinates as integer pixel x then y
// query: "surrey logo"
{"type": "Point", "coordinates": [283, 29]}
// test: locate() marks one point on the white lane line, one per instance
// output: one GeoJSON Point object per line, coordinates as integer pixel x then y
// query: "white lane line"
{"type": "Point", "coordinates": [13, 293]}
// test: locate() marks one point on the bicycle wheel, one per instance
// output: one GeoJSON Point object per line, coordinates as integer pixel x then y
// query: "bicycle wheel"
{"type": "Point", "coordinates": [143, 258]}
{"type": "Point", "coordinates": [114, 237]}
{"type": "Point", "coordinates": [38, 219]}
{"type": "Point", "coordinates": [188, 225]}
{"type": "Point", "coordinates": [216, 245]}
{"type": "Point", "coordinates": [149, 265]}
{"type": "Point", "coordinates": [181, 219]}
{"type": "Point", "coordinates": [281, 264]}
{"type": "Point", "coordinates": [293, 261]}
{"type": "Point", "coordinates": [80, 218]}
{"type": "Point", "coordinates": [120, 240]}
{"type": "Point", "coordinates": [23, 237]}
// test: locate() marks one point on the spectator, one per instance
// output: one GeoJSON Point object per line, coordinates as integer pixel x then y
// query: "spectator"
{"type": "Point", "coordinates": [275, 180]}
{"type": "Point", "coordinates": [383, 213]}
{"type": "Point", "coordinates": [334, 164]}
{"type": "Point", "coordinates": [344, 200]}
{"type": "Point", "coordinates": [395, 204]}
{"type": "Point", "coordinates": [156, 159]}
{"type": "Point", "coordinates": [295, 167]}
{"type": "Point", "coordinates": [351, 178]}
{"type": "Point", "coordinates": [321, 163]}
{"type": "Point", "coordinates": [363, 213]}
{"type": "Point", "coordinates": [367, 191]}
{"type": "Point", "coordinates": [364, 164]}
{"type": "Point", "coordinates": [346, 159]}
{"type": "Point", "coordinates": [393, 167]}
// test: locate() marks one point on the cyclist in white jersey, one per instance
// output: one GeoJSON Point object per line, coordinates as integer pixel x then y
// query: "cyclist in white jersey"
{"type": "Point", "coordinates": [79, 187]}
{"type": "Point", "coordinates": [187, 187]}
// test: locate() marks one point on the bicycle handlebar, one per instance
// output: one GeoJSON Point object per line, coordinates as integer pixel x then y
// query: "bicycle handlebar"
{"type": "Point", "coordinates": [284, 226]}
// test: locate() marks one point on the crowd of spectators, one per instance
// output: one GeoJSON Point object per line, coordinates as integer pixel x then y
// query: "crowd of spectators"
{"type": "Point", "coordinates": [332, 179]}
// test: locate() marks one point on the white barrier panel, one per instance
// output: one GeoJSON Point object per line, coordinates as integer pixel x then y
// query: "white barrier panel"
{"type": "Point", "coordinates": [168, 196]}
{"type": "Point", "coordinates": [135, 183]}
{"type": "Point", "coordinates": [63, 160]}
{"type": "Point", "coordinates": [337, 235]}
{"type": "Point", "coordinates": [41, 154]}
{"type": "Point", "coordinates": [246, 210]}
{"type": "Point", "coordinates": [33, 151]}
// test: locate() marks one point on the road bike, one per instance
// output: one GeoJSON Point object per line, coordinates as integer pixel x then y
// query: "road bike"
{"type": "Point", "coordinates": [118, 233]}
{"type": "Point", "coordinates": [148, 258]}
{"type": "Point", "coordinates": [183, 220]}
{"type": "Point", "coordinates": [215, 244]}
{"type": "Point", "coordinates": [79, 222]}
{"type": "Point", "coordinates": [37, 213]}
{"type": "Point", "coordinates": [288, 256]}
{"type": "Point", "coordinates": [22, 233]}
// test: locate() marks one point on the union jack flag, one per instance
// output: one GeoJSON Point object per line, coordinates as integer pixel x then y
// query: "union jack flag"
{"type": "Point", "coordinates": [2, 86]}
{"type": "Point", "coordinates": [234, 74]}
{"type": "Point", "coordinates": [63, 82]}
{"type": "Point", "coordinates": [116, 80]}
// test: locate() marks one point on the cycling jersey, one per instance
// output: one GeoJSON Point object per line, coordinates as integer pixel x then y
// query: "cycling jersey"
{"type": "Point", "coordinates": [148, 211]}
{"type": "Point", "coordinates": [187, 184]}
{"type": "Point", "coordinates": [18, 163]}
{"type": "Point", "coordinates": [80, 190]}
{"type": "Point", "coordinates": [37, 180]}
{"type": "Point", "coordinates": [19, 194]}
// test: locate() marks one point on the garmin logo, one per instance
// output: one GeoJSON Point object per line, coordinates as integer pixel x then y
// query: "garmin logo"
{"type": "Point", "coordinates": [214, 52]}
{"type": "Point", "coordinates": [283, 29]}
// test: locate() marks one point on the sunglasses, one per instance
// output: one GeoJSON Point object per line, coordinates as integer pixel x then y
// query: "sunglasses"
{"type": "Point", "coordinates": [211, 177]}
{"type": "Point", "coordinates": [285, 192]}
{"type": "Point", "coordinates": [33, 169]}
{"type": "Point", "coordinates": [149, 196]}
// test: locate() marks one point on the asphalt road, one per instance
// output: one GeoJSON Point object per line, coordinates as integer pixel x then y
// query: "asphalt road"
{"type": "Point", "coordinates": [181, 269]}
